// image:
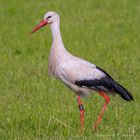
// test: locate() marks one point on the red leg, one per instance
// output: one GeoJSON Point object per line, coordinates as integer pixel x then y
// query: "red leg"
{"type": "Point", "coordinates": [81, 108]}
{"type": "Point", "coordinates": [107, 99]}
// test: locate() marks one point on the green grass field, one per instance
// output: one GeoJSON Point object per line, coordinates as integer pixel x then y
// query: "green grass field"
{"type": "Point", "coordinates": [34, 106]}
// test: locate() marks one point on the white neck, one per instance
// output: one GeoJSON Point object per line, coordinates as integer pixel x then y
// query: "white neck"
{"type": "Point", "coordinates": [58, 52]}
{"type": "Point", "coordinates": [56, 35]}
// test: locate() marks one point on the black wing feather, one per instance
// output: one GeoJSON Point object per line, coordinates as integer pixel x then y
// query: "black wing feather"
{"type": "Point", "coordinates": [106, 84]}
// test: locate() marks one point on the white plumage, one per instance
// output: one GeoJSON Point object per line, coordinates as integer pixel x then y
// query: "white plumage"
{"type": "Point", "coordinates": [79, 75]}
{"type": "Point", "coordinates": [67, 67]}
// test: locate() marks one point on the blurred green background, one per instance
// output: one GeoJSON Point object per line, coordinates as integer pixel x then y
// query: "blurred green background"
{"type": "Point", "coordinates": [34, 106]}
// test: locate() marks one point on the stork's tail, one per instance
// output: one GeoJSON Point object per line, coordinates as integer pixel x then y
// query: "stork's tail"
{"type": "Point", "coordinates": [124, 93]}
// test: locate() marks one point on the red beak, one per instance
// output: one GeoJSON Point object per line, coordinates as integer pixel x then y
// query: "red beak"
{"type": "Point", "coordinates": [41, 24]}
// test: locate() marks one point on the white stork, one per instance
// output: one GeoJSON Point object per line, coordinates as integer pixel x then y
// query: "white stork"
{"type": "Point", "coordinates": [79, 75]}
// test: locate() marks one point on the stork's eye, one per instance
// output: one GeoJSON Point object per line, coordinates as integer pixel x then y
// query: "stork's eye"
{"type": "Point", "coordinates": [49, 17]}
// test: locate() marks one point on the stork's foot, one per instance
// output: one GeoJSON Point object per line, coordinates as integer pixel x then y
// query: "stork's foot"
{"type": "Point", "coordinates": [107, 99]}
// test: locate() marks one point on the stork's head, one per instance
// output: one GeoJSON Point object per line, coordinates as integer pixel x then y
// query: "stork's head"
{"type": "Point", "coordinates": [49, 18]}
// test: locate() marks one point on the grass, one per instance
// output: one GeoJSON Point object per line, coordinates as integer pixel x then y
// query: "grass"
{"type": "Point", "coordinates": [34, 106]}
